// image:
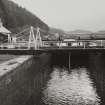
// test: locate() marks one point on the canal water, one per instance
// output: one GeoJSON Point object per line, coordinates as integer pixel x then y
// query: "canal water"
{"type": "Point", "coordinates": [82, 84]}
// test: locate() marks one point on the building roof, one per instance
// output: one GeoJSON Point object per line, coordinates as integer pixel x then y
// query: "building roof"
{"type": "Point", "coordinates": [3, 30]}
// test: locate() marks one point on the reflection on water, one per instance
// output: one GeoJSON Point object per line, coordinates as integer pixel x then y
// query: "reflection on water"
{"type": "Point", "coordinates": [74, 88]}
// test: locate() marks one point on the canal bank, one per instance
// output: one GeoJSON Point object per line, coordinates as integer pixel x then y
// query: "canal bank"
{"type": "Point", "coordinates": [97, 73]}
{"type": "Point", "coordinates": [45, 80]}
{"type": "Point", "coordinates": [18, 78]}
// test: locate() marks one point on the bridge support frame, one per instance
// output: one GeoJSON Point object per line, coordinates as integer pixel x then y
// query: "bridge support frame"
{"type": "Point", "coordinates": [32, 39]}
{"type": "Point", "coordinates": [35, 40]}
{"type": "Point", "coordinates": [38, 38]}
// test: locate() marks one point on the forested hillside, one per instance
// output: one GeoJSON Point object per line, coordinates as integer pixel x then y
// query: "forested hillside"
{"type": "Point", "coordinates": [15, 17]}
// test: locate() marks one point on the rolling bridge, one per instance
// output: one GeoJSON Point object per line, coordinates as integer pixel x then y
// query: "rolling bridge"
{"type": "Point", "coordinates": [29, 41]}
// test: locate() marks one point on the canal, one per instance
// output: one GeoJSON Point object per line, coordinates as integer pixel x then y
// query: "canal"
{"type": "Point", "coordinates": [82, 84]}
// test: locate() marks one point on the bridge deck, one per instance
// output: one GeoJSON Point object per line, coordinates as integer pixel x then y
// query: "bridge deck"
{"type": "Point", "coordinates": [51, 50]}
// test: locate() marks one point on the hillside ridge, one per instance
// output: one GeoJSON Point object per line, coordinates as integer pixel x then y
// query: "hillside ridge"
{"type": "Point", "coordinates": [15, 17]}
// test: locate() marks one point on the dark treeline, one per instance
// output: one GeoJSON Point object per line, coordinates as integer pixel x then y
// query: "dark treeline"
{"type": "Point", "coordinates": [15, 17]}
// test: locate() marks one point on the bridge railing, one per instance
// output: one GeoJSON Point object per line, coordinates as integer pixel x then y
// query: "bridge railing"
{"type": "Point", "coordinates": [76, 43]}
{"type": "Point", "coordinates": [13, 45]}
{"type": "Point", "coordinates": [56, 44]}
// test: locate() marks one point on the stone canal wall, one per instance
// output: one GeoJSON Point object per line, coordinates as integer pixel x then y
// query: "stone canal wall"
{"type": "Point", "coordinates": [17, 80]}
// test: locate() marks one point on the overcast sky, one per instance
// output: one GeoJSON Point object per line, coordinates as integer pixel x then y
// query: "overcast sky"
{"type": "Point", "coordinates": [69, 14]}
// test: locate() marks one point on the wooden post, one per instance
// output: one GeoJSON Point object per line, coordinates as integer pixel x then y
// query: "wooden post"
{"type": "Point", "coordinates": [101, 43]}
{"type": "Point", "coordinates": [84, 45]}
{"type": "Point", "coordinates": [69, 61]}
{"type": "Point", "coordinates": [9, 38]}
{"type": "Point", "coordinates": [29, 41]}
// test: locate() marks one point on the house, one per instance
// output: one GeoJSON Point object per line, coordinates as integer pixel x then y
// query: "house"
{"type": "Point", "coordinates": [4, 33]}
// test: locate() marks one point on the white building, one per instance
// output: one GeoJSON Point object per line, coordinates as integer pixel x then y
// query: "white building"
{"type": "Point", "coordinates": [4, 33]}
